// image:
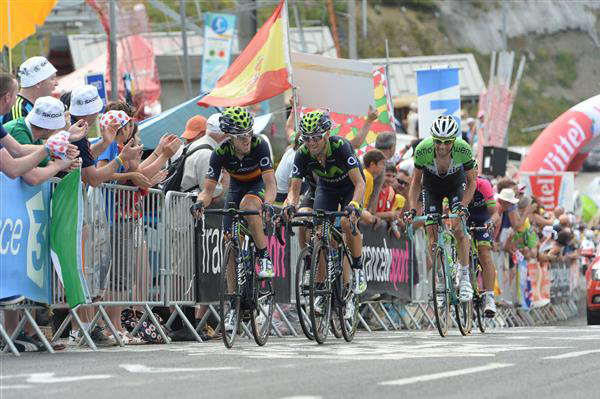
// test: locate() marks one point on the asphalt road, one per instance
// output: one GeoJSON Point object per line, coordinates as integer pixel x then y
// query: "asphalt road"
{"type": "Point", "coordinates": [550, 362]}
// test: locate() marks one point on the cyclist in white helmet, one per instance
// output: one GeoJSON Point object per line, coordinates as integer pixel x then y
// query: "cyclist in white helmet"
{"type": "Point", "coordinates": [445, 168]}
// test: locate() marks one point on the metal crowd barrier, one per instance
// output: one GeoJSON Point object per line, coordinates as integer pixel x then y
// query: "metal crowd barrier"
{"type": "Point", "coordinates": [140, 251]}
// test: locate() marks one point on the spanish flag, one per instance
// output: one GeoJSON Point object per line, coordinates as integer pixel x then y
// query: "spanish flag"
{"type": "Point", "coordinates": [261, 71]}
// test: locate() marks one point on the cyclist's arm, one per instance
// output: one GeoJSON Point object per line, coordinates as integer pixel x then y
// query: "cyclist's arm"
{"type": "Point", "coordinates": [206, 196]}
{"type": "Point", "coordinates": [359, 185]}
{"type": "Point", "coordinates": [471, 175]}
{"type": "Point", "coordinates": [294, 194]}
{"type": "Point", "coordinates": [270, 186]}
{"type": "Point", "coordinates": [415, 188]}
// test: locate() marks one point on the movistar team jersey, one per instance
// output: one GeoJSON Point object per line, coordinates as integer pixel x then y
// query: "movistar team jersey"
{"type": "Point", "coordinates": [461, 161]}
{"type": "Point", "coordinates": [249, 168]}
{"type": "Point", "coordinates": [340, 160]}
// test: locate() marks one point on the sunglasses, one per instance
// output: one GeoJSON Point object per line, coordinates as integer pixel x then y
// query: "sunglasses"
{"type": "Point", "coordinates": [402, 182]}
{"type": "Point", "coordinates": [315, 137]}
{"type": "Point", "coordinates": [442, 141]}
{"type": "Point", "coordinates": [243, 136]}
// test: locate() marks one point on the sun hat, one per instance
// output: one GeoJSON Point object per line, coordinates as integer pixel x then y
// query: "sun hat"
{"type": "Point", "coordinates": [47, 113]}
{"type": "Point", "coordinates": [112, 116]}
{"type": "Point", "coordinates": [85, 100]}
{"type": "Point", "coordinates": [194, 126]}
{"type": "Point", "coordinates": [508, 195]}
{"type": "Point", "coordinates": [35, 70]}
{"type": "Point", "coordinates": [213, 124]}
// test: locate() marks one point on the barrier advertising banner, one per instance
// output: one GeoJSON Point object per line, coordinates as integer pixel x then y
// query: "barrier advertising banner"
{"type": "Point", "coordinates": [550, 189]}
{"type": "Point", "coordinates": [438, 92]}
{"type": "Point", "coordinates": [388, 263]}
{"type": "Point", "coordinates": [539, 275]}
{"type": "Point", "coordinates": [218, 40]}
{"type": "Point", "coordinates": [24, 250]}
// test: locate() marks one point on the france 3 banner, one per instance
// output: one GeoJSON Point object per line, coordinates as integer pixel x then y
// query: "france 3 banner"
{"type": "Point", "coordinates": [438, 92]}
{"type": "Point", "coordinates": [24, 242]}
{"type": "Point", "coordinates": [218, 40]}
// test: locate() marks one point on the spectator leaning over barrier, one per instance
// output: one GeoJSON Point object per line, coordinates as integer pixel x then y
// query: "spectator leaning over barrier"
{"type": "Point", "coordinates": [374, 165]}
{"type": "Point", "coordinates": [402, 186]}
{"type": "Point", "coordinates": [38, 79]}
{"type": "Point", "coordinates": [46, 118]}
{"type": "Point", "coordinates": [89, 173]}
{"type": "Point", "coordinates": [16, 159]}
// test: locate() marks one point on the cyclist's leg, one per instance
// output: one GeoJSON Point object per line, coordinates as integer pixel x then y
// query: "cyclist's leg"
{"type": "Point", "coordinates": [306, 205]}
{"type": "Point", "coordinates": [355, 245]}
{"type": "Point", "coordinates": [454, 198]}
{"type": "Point", "coordinates": [432, 204]}
{"type": "Point", "coordinates": [325, 200]}
{"type": "Point", "coordinates": [252, 201]}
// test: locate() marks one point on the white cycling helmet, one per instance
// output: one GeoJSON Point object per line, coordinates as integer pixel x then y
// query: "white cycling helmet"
{"type": "Point", "coordinates": [444, 127]}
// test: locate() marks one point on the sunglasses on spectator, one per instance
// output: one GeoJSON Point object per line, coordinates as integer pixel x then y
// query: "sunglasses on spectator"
{"type": "Point", "coordinates": [314, 137]}
{"type": "Point", "coordinates": [443, 141]}
{"type": "Point", "coordinates": [402, 182]}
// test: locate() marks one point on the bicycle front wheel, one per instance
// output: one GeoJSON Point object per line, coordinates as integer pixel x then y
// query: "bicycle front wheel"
{"type": "Point", "coordinates": [441, 294]}
{"type": "Point", "coordinates": [319, 294]}
{"type": "Point", "coordinates": [302, 291]}
{"type": "Point", "coordinates": [262, 314]}
{"type": "Point", "coordinates": [230, 297]}
{"type": "Point", "coordinates": [348, 312]}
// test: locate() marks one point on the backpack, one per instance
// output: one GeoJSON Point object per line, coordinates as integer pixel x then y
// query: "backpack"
{"type": "Point", "coordinates": [175, 170]}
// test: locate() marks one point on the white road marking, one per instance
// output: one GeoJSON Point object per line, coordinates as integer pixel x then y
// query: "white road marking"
{"type": "Point", "coordinates": [445, 374]}
{"type": "Point", "coordinates": [14, 386]}
{"type": "Point", "coordinates": [140, 368]}
{"type": "Point", "coordinates": [48, 378]}
{"type": "Point", "coordinates": [301, 397]}
{"type": "Point", "coordinates": [572, 354]}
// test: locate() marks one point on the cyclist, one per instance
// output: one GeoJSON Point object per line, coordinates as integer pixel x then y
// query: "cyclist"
{"type": "Point", "coordinates": [252, 184]}
{"type": "Point", "coordinates": [340, 181]}
{"type": "Point", "coordinates": [481, 209]}
{"type": "Point", "coordinates": [445, 167]}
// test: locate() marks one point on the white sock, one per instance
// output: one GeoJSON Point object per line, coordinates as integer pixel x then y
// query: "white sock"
{"type": "Point", "coordinates": [86, 326]}
{"type": "Point", "coordinates": [464, 270]}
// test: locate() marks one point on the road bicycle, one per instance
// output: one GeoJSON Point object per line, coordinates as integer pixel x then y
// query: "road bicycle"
{"type": "Point", "coordinates": [476, 271]}
{"type": "Point", "coordinates": [444, 276]}
{"type": "Point", "coordinates": [251, 298]}
{"type": "Point", "coordinates": [320, 280]}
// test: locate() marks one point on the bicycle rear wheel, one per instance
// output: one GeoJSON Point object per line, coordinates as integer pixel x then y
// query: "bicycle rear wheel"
{"type": "Point", "coordinates": [478, 302]}
{"type": "Point", "coordinates": [262, 315]}
{"type": "Point", "coordinates": [441, 294]}
{"type": "Point", "coordinates": [302, 291]}
{"type": "Point", "coordinates": [319, 295]}
{"type": "Point", "coordinates": [230, 296]}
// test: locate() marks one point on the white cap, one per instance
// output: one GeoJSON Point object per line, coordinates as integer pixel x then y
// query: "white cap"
{"type": "Point", "coordinates": [34, 70]}
{"type": "Point", "coordinates": [85, 100]}
{"type": "Point", "coordinates": [212, 124]}
{"type": "Point", "coordinates": [47, 113]}
{"type": "Point", "coordinates": [508, 195]}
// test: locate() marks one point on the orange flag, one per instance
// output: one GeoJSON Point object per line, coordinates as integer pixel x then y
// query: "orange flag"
{"type": "Point", "coordinates": [261, 71]}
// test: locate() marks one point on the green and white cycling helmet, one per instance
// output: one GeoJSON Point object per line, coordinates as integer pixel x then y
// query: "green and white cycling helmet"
{"type": "Point", "coordinates": [236, 120]}
{"type": "Point", "coordinates": [445, 127]}
{"type": "Point", "coordinates": [315, 122]}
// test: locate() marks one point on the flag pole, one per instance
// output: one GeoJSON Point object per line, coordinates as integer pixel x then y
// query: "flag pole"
{"type": "Point", "coordinates": [290, 70]}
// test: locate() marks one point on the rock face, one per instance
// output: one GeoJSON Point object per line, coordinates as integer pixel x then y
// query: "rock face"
{"type": "Point", "coordinates": [480, 27]}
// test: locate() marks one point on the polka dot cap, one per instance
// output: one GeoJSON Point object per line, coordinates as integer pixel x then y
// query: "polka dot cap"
{"type": "Point", "coordinates": [112, 116]}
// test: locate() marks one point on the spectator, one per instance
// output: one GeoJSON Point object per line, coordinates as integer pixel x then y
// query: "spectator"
{"type": "Point", "coordinates": [26, 157]}
{"type": "Point", "coordinates": [408, 164]}
{"type": "Point", "coordinates": [412, 121]}
{"type": "Point", "coordinates": [386, 143]}
{"type": "Point", "coordinates": [46, 118]}
{"type": "Point", "coordinates": [38, 79]}
{"type": "Point", "coordinates": [196, 165]}
{"type": "Point", "coordinates": [390, 203]}
{"type": "Point", "coordinates": [374, 164]}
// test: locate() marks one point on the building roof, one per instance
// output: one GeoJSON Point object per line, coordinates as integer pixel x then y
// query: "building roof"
{"type": "Point", "coordinates": [86, 47]}
{"type": "Point", "coordinates": [403, 78]}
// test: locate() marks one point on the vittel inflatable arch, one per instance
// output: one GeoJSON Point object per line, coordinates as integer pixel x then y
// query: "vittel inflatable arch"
{"type": "Point", "coordinates": [565, 143]}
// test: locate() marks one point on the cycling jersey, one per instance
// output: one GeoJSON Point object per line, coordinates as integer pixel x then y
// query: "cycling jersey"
{"type": "Point", "coordinates": [461, 160]}
{"type": "Point", "coordinates": [340, 160]}
{"type": "Point", "coordinates": [478, 209]}
{"type": "Point", "coordinates": [241, 170]}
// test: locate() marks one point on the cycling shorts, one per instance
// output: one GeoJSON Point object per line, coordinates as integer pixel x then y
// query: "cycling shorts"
{"type": "Point", "coordinates": [481, 237]}
{"type": "Point", "coordinates": [433, 197]}
{"type": "Point", "coordinates": [237, 192]}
